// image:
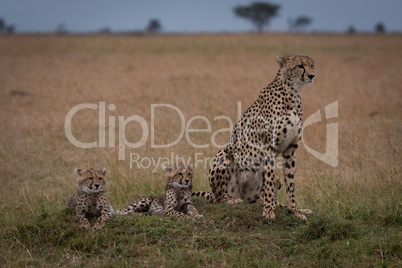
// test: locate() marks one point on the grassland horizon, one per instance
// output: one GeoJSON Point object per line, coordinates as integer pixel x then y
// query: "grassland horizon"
{"type": "Point", "coordinates": [357, 204]}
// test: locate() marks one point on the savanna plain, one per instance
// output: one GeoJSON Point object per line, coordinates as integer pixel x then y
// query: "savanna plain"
{"type": "Point", "coordinates": [357, 204]}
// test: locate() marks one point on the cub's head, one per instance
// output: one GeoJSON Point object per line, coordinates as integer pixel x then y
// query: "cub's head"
{"type": "Point", "coordinates": [179, 176]}
{"type": "Point", "coordinates": [298, 70]}
{"type": "Point", "coordinates": [91, 180]}
{"type": "Point", "coordinates": [277, 184]}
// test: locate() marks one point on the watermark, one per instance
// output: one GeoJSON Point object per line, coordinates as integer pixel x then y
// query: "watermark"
{"type": "Point", "coordinates": [186, 128]}
{"type": "Point", "coordinates": [144, 162]}
{"type": "Point", "coordinates": [330, 156]}
{"type": "Point", "coordinates": [201, 161]}
{"type": "Point", "coordinates": [147, 130]}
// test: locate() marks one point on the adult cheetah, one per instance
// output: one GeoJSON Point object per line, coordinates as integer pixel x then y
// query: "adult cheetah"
{"type": "Point", "coordinates": [244, 170]}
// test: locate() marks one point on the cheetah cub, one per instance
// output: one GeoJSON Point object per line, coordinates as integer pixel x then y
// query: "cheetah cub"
{"type": "Point", "coordinates": [177, 196]}
{"type": "Point", "coordinates": [90, 199]}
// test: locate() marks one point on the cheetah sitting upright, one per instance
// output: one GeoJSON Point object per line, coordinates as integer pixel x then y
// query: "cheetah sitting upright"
{"type": "Point", "coordinates": [90, 199]}
{"type": "Point", "coordinates": [177, 196]}
{"type": "Point", "coordinates": [244, 170]}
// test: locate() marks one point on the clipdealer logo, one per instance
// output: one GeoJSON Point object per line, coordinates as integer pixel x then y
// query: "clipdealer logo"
{"type": "Point", "coordinates": [329, 157]}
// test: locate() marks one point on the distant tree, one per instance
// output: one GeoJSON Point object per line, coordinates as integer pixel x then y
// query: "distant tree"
{"type": "Point", "coordinates": [61, 29]}
{"type": "Point", "coordinates": [302, 22]}
{"type": "Point", "coordinates": [10, 29]}
{"type": "Point", "coordinates": [105, 30]}
{"type": "Point", "coordinates": [351, 30]}
{"type": "Point", "coordinates": [6, 28]}
{"type": "Point", "coordinates": [2, 25]}
{"type": "Point", "coordinates": [154, 26]}
{"type": "Point", "coordinates": [379, 28]}
{"type": "Point", "coordinates": [259, 13]}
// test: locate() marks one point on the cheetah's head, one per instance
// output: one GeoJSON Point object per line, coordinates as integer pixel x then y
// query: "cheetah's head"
{"type": "Point", "coordinates": [91, 180]}
{"type": "Point", "coordinates": [298, 70]}
{"type": "Point", "coordinates": [179, 176]}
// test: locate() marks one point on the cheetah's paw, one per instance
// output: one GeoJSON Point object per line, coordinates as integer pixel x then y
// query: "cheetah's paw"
{"type": "Point", "coordinates": [300, 216]}
{"type": "Point", "coordinates": [85, 226]}
{"type": "Point", "coordinates": [270, 215]}
{"type": "Point", "coordinates": [234, 201]}
{"type": "Point", "coordinates": [305, 211]}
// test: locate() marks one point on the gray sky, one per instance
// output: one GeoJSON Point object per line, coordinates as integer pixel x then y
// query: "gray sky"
{"type": "Point", "coordinates": [195, 15]}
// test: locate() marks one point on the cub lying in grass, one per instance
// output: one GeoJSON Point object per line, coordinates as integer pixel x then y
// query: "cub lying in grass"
{"type": "Point", "coordinates": [177, 196]}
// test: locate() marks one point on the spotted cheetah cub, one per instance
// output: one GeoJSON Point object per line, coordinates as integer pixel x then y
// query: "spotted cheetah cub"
{"type": "Point", "coordinates": [177, 196]}
{"type": "Point", "coordinates": [90, 199]}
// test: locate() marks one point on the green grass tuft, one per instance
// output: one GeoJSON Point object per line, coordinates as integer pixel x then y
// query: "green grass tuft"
{"type": "Point", "coordinates": [325, 227]}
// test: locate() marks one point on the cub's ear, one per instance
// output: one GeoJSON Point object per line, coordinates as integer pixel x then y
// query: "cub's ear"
{"type": "Point", "coordinates": [79, 171]}
{"type": "Point", "coordinates": [167, 169]}
{"type": "Point", "coordinates": [102, 171]}
{"type": "Point", "coordinates": [281, 61]}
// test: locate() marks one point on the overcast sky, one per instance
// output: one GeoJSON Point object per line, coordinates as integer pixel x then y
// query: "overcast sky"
{"type": "Point", "coordinates": [194, 15]}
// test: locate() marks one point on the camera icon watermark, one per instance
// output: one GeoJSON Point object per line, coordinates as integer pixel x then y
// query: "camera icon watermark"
{"type": "Point", "coordinates": [330, 156]}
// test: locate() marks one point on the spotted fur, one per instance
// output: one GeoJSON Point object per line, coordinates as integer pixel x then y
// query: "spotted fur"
{"type": "Point", "coordinates": [206, 195]}
{"type": "Point", "coordinates": [177, 196]}
{"type": "Point", "coordinates": [90, 199]}
{"type": "Point", "coordinates": [277, 187]}
{"type": "Point", "coordinates": [244, 170]}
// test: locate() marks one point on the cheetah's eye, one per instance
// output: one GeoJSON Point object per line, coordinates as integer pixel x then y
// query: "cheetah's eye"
{"type": "Point", "coordinates": [181, 174]}
{"type": "Point", "coordinates": [312, 66]}
{"type": "Point", "coordinates": [90, 179]}
{"type": "Point", "coordinates": [100, 179]}
{"type": "Point", "coordinates": [300, 66]}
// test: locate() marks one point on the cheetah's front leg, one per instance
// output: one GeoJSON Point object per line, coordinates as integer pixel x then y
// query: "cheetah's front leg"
{"type": "Point", "coordinates": [192, 211]}
{"type": "Point", "coordinates": [189, 207]}
{"type": "Point", "coordinates": [104, 207]}
{"type": "Point", "coordinates": [268, 194]}
{"type": "Point", "coordinates": [288, 172]}
{"type": "Point", "coordinates": [170, 203]}
{"type": "Point", "coordinates": [102, 220]}
{"type": "Point", "coordinates": [80, 213]}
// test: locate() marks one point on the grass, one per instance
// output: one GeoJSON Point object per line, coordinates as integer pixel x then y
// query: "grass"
{"type": "Point", "coordinates": [357, 205]}
{"type": "Point", "coordinates": [227, 236]}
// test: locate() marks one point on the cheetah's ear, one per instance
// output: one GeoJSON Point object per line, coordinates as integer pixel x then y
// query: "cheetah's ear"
{"type": "Point", "coordinates": [79, 171]}
{"type": "Point", "coordinates": [281, 60]}
{"type": "Point", "coordinates": [102, 171]}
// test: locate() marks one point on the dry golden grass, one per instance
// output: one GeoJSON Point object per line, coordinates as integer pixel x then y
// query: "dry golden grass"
{"type": "Point", "coordinates": [43, 77]}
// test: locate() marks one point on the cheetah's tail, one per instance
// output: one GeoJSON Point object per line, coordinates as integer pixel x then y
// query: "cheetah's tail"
{"type": "Point", "coordinates": [206, 195]}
